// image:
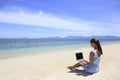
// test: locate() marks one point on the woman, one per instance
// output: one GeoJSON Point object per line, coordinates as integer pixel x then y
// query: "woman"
{"type": "Point", "coordinates": [91, 66]}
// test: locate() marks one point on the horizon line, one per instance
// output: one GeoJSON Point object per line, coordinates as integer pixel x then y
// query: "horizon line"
{"type": "Point", "coordinates": [56, 37]}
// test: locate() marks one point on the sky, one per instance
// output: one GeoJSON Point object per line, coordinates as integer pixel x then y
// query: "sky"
{"type": "Point", "coordinates": [59, 18]}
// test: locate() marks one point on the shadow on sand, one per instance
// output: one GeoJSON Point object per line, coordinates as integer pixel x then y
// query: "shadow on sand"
{"type": "Point", "coordinates": [80, 73]}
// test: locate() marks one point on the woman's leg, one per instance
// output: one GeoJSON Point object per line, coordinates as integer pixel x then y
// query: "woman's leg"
{"type": "Point", "coordinates": [74, 66]}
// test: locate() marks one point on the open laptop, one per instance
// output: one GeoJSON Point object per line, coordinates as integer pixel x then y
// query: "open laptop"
{"type": "Point", "coordinates": [79, 56]}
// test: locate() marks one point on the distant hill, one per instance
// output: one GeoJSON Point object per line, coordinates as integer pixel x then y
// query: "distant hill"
{"type": "Point", "coordinates": [82, 37]}
{"type": "Point", "coordinates": [71, 37]}
{"type": "Point", "coordinates": [98, 37]}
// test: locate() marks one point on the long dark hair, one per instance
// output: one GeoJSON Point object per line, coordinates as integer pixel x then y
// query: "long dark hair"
{"type": "Point", "coordinates": [97, 42]}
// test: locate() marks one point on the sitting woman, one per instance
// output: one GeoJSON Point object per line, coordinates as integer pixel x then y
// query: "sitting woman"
{"type": "Point", "coordinates": [91, 66]}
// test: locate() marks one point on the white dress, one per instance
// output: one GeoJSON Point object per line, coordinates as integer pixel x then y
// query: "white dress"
{"type": "Point", "coordinates": [95, 67]}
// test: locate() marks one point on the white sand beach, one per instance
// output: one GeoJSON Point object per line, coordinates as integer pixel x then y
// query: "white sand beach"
{"type": "Point", "coordinates": [52, 66]}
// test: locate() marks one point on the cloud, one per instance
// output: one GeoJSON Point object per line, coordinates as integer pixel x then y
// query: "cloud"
{"type": "Point", "coordinates": [49, 20]}
{"type": "Point", "coordinates": [44, 20]}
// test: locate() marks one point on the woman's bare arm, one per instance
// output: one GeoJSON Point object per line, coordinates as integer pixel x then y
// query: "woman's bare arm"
{"type": "Point", "coordinates": [91, 60]}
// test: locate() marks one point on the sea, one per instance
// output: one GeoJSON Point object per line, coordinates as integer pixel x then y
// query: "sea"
{"type": "Point", "coordinates": [10, 47]}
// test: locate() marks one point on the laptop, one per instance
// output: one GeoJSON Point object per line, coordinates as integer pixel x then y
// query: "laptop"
{"type": "Point", "coordinates": [79, 56]}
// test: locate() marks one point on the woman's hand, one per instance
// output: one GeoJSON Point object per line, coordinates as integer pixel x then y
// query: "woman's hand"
{"type": "Point", "coordinates": [84, 62]}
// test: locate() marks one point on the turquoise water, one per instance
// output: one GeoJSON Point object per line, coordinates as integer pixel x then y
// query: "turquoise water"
{"type": "Point", "coordinates": [14, 47]}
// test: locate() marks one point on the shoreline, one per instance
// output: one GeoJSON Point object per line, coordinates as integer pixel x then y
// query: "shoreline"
{"type": "Point", "coordinates": [2, 57]}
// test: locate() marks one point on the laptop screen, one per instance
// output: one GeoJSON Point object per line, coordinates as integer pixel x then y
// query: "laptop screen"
{"type": "Point", "coordinates": [79, 56]}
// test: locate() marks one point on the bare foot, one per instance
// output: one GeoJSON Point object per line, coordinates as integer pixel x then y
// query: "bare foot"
{"type": "Point", "coordinates": [70, 67]}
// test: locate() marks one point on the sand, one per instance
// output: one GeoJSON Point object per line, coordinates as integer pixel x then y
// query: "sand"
{"type": "Point", "coordinates": [52, 66]}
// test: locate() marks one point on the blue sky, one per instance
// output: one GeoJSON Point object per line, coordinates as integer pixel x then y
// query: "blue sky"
{"type": "Point", "coordinates": [51, 18]}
